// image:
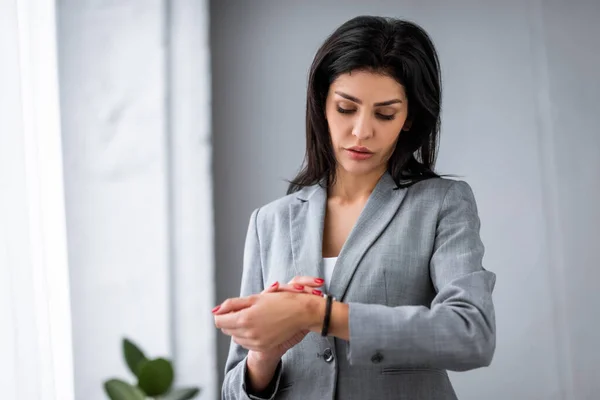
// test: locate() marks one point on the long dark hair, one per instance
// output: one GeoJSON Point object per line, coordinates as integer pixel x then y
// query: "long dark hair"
{"type": "Point", "coordinates": [399, 49]}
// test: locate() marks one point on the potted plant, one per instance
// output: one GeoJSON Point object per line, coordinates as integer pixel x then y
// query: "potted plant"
{"type": "Point", "coordinates": [154, 379]}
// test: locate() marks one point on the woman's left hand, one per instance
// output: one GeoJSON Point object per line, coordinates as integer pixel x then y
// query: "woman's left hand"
{"type": "Point", "coordinates": [263, 322]}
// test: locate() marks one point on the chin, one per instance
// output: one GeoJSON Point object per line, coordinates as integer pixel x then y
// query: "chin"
{"type": "Point", "coordinates": [359, 168]}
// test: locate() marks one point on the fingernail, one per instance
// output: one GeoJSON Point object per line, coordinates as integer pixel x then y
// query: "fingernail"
{"type": "Point", "coordinates": [317, 292]}
{"type": "Point", "coordinates": [319, 280]}
{"type": "Point", "coordinates": [214, 310]}
{"type": "Point", "coordinates": [274, 284]}
{"type": "Point", "coordinates": [298, 287]}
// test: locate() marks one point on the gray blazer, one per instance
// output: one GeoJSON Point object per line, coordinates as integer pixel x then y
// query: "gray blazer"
{"type": "Point", "coordinates": [420, 302]}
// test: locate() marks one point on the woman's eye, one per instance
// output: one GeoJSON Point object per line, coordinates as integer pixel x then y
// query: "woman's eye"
{"type": "Point", "coordinates": [345, 110]}
{"type": "Point", "coordinates": [387, 117]}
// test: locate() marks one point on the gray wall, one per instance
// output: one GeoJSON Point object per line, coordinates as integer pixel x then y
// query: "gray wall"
{"type": "Point", "coordinates": [571, 115]}
{"type": "Point", "coordinates": [519, 99]}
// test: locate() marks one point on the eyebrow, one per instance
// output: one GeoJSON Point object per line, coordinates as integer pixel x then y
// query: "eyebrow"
{"type": "Point", "coordinates": [358, 101]}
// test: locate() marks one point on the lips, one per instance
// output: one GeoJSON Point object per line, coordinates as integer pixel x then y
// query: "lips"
{"type": "Point", "coordinates": [359, 153]}
{"type": "Point", "coordinates": [360, 149]}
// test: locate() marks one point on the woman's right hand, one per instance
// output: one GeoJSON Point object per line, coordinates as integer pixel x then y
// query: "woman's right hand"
{"type": "Point", "coordinates": [262, 365]}
{"type": "Point", "coordinates": [300, 284]}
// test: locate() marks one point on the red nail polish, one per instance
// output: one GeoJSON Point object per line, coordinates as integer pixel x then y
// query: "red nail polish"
{"type": "Point", "coordinates": [317, 292]}
{"type": "Point", "coordinates": [214, 310]}
{"type": "Point", "coordinates": [319, 281]}
{"type": "Point", "coordinates": [298, 287]}
{"type": "Point", "coordinates": [274, 284]}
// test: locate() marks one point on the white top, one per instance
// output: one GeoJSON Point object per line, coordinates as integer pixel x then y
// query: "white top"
{"type": "Point", "coordinates": [328, 264]}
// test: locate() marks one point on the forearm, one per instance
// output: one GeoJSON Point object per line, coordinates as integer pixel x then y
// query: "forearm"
{"type": "Point", "coordinates": [443, 337]}
{"type": "Point", "coordinates": [457, 332]}
{"type": "Point", "coordinates": [237, 385]}
{"type": "Point", "coordinates": [261, 370]}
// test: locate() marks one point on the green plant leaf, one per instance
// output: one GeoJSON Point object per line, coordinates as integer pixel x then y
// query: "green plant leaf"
{"type": "Point", "coordinates": [134, 357]}
{"type": "Point", "coordinates": [117, 389]}
{"type": "Point", "coordinates": [181, 394]}
{"type": "Point", "coordinates": [155, 376]}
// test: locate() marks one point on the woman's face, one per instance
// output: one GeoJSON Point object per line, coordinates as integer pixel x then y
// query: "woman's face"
{"type": "Point", "coordinates": [366, 113]}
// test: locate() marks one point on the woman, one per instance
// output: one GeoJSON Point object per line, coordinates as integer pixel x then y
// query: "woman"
{"type": "Point", "coordinates": [394, 247]}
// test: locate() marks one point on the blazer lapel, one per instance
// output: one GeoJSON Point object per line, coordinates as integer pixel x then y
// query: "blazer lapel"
{"type": "Point", "coordinates": [382, 205]}
{"type": "Point", "coordinates": [307, 217]}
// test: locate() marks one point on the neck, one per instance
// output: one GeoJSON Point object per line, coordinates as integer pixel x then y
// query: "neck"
{"type": "Point", "coordinates": [350, 187]}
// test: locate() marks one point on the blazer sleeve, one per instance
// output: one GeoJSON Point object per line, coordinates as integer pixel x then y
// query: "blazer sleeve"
{"type": "Point", "coordinates": [458, 331]}
{"type": "Point", "coordinates": [234, 384]}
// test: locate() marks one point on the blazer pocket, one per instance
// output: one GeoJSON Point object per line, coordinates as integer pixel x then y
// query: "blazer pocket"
{"type": "Point", "coordinates": [407, 371]}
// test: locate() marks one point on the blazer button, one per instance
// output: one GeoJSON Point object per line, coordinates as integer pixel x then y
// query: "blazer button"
{"type": "Point", "coordinates": [377, 358]}
{"type": "Point", "coordinates": [328, 355]}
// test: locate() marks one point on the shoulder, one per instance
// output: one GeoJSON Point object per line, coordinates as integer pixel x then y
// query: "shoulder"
{"type": "Point", "coordinates": [440, 189]}
{"type": "Point", "coordinates": [275, 210]}
{"type": "Point", "coordinates": [443, 194]}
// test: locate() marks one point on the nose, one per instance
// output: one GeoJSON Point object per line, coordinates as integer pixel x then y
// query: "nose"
{"type": "Point", "coordinates": [363, 128]}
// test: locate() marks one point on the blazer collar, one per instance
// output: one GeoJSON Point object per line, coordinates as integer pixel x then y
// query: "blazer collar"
{"type": "Point", "coordinates": [307, 217]}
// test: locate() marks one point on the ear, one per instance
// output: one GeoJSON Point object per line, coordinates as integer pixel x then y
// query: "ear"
{"type": "Point", "coordinates": [407, 125]}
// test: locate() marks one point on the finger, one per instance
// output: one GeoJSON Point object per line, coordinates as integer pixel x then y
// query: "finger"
{"type": "Point", "coordinates": [234, 304]}
{"type": "Point", "coordinates": [311, 281]}
{"type": "Point", "coordinates": [296, 288]}
{"type": "Point", "coordinates": [273, 288]}
{"type": "Point", "coordinates": [241, 341]}
{"type": "Point", "coordinates": [232, 320]}
{"type": "Point", "coordinates": [239, 333]}
{"type": "Point", "coordinates": [246, 343]}
{"type": "Point", "coordinates": [253, 344]}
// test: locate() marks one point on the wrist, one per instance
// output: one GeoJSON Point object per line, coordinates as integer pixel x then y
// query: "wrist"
{"type": "Point", "coordinates": [262, 359]}
{"type": "Point", "coordinates": [260, 371]}
{"type": "Point", "coordinates": [313, 313]}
